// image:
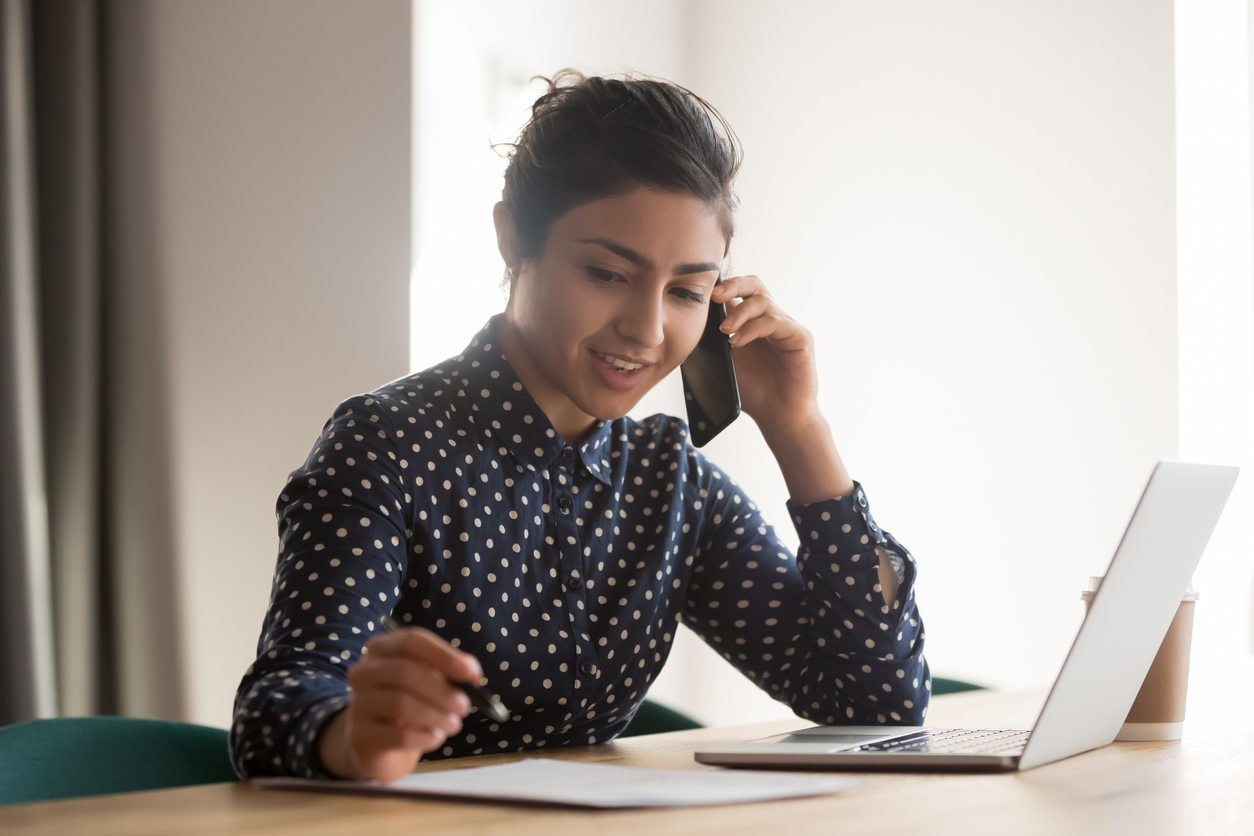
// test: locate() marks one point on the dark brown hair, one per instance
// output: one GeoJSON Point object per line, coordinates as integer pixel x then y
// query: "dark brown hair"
{"type": "Point", "coordinates": [590, 138]}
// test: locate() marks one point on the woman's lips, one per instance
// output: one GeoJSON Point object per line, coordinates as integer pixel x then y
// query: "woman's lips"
{"type": "Point", "coordinates": [617, 372]}
{"type": "Point", "coordinates": [621, 363]}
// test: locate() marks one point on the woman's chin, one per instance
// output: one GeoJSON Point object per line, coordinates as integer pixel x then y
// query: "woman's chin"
{"type": "Point", "coordinates": [612, 407]}
{"type": "Point", "coordinates": [611, 413]}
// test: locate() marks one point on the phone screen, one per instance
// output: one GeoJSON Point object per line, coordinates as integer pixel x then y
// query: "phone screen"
{"type": "Point", "coordinates": [709, 377]}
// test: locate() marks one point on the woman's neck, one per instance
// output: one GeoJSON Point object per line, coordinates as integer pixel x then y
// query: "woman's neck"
{"type": "Point", "coordinates": [570, 422]}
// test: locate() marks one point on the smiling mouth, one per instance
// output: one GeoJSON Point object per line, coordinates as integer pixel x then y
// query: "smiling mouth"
{"type": "Point", "coordinates": [619, 365]}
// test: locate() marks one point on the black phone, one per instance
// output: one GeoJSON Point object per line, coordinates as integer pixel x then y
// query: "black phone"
{"type": "Point", "coordinates": [709, 375]}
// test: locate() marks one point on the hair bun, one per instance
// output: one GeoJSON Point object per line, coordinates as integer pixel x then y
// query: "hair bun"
{"type": "Point", "coordinates": [591, 137]}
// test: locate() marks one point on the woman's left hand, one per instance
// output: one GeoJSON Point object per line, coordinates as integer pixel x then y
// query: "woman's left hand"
{"type": "Point", "coordinates": [774, 356]}
{"type": "Point", "coordinates": [778, 379]}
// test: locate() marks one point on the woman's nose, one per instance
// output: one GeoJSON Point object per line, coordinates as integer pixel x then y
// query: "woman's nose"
{"type": "Point", "coordinates": [642, 322]}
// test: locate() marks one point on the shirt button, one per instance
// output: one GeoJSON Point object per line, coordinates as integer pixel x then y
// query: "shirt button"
{"type": "Point", "coordinates": [573, 584]}
{"type": "Point", "coordinates": [563, 502]}
{"type": "Point", "coordinates": [862, 500]}
{"type": "Point", "coordinates": [568, 453]}
{"type": "Point", "coordinates": [586, 667]}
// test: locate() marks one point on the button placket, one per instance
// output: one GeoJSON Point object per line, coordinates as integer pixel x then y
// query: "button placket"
{"type": "Point", "coordinates": [571, 576]}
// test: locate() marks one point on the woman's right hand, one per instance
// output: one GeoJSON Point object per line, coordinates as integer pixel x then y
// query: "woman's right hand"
{"type": "Point", "coordinates": [403, 705]}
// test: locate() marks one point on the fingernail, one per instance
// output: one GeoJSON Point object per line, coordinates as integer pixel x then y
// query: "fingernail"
{"type": "Point", "coordinates": [439, 735]}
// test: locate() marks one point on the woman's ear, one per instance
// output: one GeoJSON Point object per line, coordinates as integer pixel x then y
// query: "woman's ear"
{"type": "Point", "coordinates": [506, 238]}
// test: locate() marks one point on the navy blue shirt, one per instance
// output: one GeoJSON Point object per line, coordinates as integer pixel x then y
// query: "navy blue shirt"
{"type": "Point", "coordinates": [447, 500]}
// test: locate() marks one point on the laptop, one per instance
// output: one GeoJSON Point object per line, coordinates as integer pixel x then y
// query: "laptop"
{"type": "Point", "coordinates": [1099, 679]}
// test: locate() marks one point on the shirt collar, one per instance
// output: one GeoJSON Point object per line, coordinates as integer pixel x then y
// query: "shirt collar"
{"type": "Point", "coordinates": [506, 412]}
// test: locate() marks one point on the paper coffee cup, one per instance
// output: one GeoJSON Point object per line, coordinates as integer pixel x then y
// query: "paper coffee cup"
{"type": "Point", "coordinates": [1158, 711]}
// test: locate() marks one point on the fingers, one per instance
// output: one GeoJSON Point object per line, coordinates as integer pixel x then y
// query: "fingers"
{"type": "Point", "coordinates": [386, 752]}
{"type": "Point", "coordinates": [738, 286]}
{"type": "Point", "coordinates": [428, 648]}
{"type": "Point", "coordinates": [351, 745]}
{"type": "Point", "coordinates": [743, 313]}
{"type": "Point", "coordinates": [401, 707]}
{"type": "Point", "coordinates": [783, 333]}
{"type": "Point", "coordinates": [390, 706]}
{"type": "Point", "coordinates": [371, 737]}
{"type": "Point", "coordinates": [408, 676]}
{"type": "Point", "coordinates": [404, 702]}
{"type": "Point", "coordinates": [752, 314]}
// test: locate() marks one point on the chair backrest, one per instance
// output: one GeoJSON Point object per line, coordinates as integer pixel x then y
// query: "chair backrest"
{"type": "Point", "coordinates": [940, 685]}
{"type": "Point", "coordinates": [654, 718]}
{"type": "Point", "coordinates": [70, 757]}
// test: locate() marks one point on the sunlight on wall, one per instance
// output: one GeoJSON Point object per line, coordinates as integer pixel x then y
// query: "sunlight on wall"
{"type": "Point", "coordinates": [493, 50]}
{"type": "Point", "coordinates": [1216, 306]}
{"type": "Point", "coordinates": [974, 210]}
{"type": "Point", "coordinates": [473, 70]}
{"type": "Point", "coordinates": [457, 177]}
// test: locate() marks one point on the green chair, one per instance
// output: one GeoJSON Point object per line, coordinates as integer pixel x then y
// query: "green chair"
{"type": "Point", "coordinates": [941, 685]}
{"type": "Point", "coordinates": [655, 718]}
{"type": "Point", "coordinates": [70, 757]}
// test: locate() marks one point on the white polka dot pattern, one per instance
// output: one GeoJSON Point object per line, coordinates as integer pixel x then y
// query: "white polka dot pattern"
{"type": "Point", "coordinates": [447, 500]}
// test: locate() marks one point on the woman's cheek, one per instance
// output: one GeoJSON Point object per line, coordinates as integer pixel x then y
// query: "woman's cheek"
{"type": "Point", "coordinates": [692, 335]}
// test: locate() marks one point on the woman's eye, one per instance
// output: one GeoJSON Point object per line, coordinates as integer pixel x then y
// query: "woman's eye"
{"type": "Point", "coordinates": [604, 275]}
{"type": "Point", "coordinates": [689, 295]}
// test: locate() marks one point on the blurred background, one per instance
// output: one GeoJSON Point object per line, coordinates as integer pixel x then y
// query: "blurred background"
{"type": "Point", "coordinates": [1020, 232]}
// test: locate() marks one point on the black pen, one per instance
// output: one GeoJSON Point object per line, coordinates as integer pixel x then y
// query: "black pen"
{"type": "Point", "coordinates": [480, 697]}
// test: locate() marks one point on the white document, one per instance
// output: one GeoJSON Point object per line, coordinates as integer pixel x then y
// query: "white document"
{"type": "Point", "coordinates": [548, 781]}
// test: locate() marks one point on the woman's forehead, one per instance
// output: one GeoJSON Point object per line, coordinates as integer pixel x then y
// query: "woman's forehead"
{"type": "Point", "coordinates": [664, 227]}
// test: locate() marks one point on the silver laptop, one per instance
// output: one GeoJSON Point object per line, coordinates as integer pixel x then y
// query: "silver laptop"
{"type": "Point", "coordinates": [1099, 679]}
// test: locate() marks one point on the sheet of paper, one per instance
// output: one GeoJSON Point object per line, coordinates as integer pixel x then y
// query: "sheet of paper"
{"type": "Point", "coordinates": [548, 781]}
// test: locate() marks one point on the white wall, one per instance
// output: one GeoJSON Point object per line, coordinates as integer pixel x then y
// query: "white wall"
{"type": "Point", "coordinates": [279, 142]}
{"type": "Point", "coordinates": [979, 199]}
{"type": "Point", "coordinates": [972, 205]}
{"type": "Point", "coordinates": [1216, 305]}
{"type": "Point", "coordinates": [472, 69]}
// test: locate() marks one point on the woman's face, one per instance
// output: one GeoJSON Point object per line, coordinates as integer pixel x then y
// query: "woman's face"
{"type": "Point", "coordinates": [615, 302]}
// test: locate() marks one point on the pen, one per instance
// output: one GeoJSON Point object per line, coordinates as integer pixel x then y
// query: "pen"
{"type": "Point", "coordinates": [483, 699]}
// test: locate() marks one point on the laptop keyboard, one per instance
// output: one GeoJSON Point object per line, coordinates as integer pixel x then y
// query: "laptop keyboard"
{"type": "Point", "coordinates": [955, 742]}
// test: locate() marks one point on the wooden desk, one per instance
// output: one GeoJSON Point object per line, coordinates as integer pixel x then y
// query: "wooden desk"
{"type": "Point", "coordinates": [1204, 784]}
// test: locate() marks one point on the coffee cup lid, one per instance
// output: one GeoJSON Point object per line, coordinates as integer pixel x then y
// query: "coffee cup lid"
{"type": "Point", "coordinates": [1095, 583]}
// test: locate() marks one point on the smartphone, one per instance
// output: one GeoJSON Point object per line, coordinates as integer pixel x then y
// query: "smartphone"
{"type": "Point", "coordinates": [709, 376]}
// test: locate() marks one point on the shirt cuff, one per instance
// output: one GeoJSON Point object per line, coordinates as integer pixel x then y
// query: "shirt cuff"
{"type": "Point", "coordinates": [302, 758]}
{"type": "Point", "coordinates": [837, 520]}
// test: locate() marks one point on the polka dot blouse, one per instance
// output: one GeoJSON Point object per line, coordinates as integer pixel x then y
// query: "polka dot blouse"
{"type": "Point", "coordinates": [448, 500]}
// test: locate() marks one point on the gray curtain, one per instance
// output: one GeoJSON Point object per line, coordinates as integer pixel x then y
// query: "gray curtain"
{"type": "Point", "coordinates": [87, 561]}
{"type": "Point", "coordinates": [26, 644]}
{"type": "Point", "coordinates": [65, 38]}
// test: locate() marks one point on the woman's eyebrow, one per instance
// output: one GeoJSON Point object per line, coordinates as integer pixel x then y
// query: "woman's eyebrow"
{"type": "Point", "coordinates": [641, 261]}
{"type": "Point", "coordinates": [644, 262]}
{"type": "Point", "coordinates": [698, 267]}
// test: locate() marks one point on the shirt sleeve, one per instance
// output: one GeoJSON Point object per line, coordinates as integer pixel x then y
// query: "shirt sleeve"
{"type": "Point", "coordinates": [812, 630]}
{"type": "Point", "coordinates": [342, 537]}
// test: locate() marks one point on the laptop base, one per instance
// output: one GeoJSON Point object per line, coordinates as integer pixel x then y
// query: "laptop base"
{"type": "Point", "coordinates": [877, 749]}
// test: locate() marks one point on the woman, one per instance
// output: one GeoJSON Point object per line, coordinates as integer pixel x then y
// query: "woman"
{"type": "Point", "coordinates": [502, 508]}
